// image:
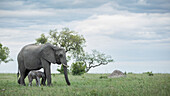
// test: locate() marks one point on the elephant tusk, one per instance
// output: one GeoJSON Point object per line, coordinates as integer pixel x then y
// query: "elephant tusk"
{"type": "Point", "coordinates": [65, 65]}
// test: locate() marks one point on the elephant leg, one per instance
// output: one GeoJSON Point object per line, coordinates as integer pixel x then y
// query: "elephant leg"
{"type": "Point", "coordinates": [24, 73]}
{"type": "Point", "coordinates": [47, 70]}
{"type": "Point", "coordinates": [43, 81]}
{"type": "Point", "coordinates": [30, 82]}
{"type": "Point", "coordinates": [22, 82]}
{"type": "Point", "coordinates": [37, 81]}
{"type": "Point", "coordinates": [48, 75]}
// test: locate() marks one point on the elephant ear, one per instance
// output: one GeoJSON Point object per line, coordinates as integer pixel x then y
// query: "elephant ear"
{"type": "Point", "coordinates": [48, 53]}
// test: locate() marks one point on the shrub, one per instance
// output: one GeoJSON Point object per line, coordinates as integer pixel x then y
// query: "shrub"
{"type": "Point", "coordinates": [78, 68]}
{"type": "Point", "coordinates": [130, 73]}
{"type": "Point", "coordinates": [101, 77]}
{"type": "Point", "coordinates": [149, 73]}
{"type": "Point", "coordinates": [125, 73]}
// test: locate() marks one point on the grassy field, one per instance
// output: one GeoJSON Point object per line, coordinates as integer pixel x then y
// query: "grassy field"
{"type": "Point", "coordinates": [90, 85]}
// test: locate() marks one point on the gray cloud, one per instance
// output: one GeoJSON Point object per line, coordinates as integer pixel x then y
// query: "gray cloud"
{"type": "Point", "coordinates": [144, 6]}
{"type": "Point", "coordinates": [54, 4]}
{"type": "Point", "coordinates": [30, 12]}
{"type": "Point", "coordinates": [128, 30]}
{"type": "Point", "coordinates": [117, 23]}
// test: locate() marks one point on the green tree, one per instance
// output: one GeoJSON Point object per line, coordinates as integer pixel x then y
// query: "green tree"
{"type": "Point", "coordinates": [4, 54]}
{"type": "Point", "coordinates": [74, 43]}
{"type": "Point", "coordinates": [71, 41]}
{"type": "Point", "coordinates": [42, 39]}
{"type": "Point", "coordinates": [94, 59]}
{"type": "Point", "coordinates": [78, 68]}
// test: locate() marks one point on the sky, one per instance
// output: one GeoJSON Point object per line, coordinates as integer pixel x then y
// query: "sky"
{"type": "Point", "coordinates": [136, 33]}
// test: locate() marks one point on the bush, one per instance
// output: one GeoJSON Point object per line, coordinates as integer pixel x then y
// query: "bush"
{"type": "Point", "coordinates": [125, 73]}
{"type": "Point", "coordinates": [103, 77]}
{"type": "Point", "coordinates": [130, 73]}
{"type": "Point", "coordinates": [149, 73]}
{"type": "Point", "coordinates": [4, 54]}
{"type": "Point", "coordinates": [78, 68]}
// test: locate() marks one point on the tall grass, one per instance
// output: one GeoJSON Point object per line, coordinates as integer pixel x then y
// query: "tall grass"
{"type": "Point", "coordinates": [90, 85]}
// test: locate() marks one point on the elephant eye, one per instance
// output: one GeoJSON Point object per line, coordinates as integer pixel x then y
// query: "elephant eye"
{"type": "Point", "coordinates": [60, 55]}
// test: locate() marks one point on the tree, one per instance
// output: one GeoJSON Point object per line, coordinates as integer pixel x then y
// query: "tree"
{"type": "Point", "coordinates": [94, 59]}
{"type": "Point", "coordinates": [74, 43]}
{"type": "Point", "coordinates": [78, 68]}
{"type": "Point", "coordinates": [4, 54]}
{"type": "Point", "coordinates": [42, 39]}
{"type": "Point", "coordinates": [71, 41]}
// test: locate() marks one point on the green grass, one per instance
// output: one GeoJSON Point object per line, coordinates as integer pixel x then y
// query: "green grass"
{"type": "Point", "coordinates": [90, 85]}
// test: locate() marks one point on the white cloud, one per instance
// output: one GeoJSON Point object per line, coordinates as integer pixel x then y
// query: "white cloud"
{"type": "Point", "coordinates": [18, 37]}
{"type": "Point", "coordinates": [77, 2]}
{"type": "Point", "coordinates": [148, 35]}
{"type": "Point", "coordinates": [152, 41]}
{"type": "Point", "coordinates": [142, 2]}
{"type": "Point", "coordinates": [11, 4]}
{"type": "Point", "coordinates": [129, 26]}
{"type": "Point", "coordinates": [25, 13]}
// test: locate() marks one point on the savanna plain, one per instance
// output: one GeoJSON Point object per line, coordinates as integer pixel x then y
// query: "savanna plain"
{"type": "Point", "coordinates": [90, 85]}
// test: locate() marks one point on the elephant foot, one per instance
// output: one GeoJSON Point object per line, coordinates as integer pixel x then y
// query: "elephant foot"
{"type": "Point", "coordinates": [49, 85]}
{"type": "Point", "coordinates": [23, 84]}
{"type": "Point", "coordinates": [19, 81]}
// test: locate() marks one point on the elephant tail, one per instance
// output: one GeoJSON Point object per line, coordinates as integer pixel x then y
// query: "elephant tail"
{"type": "Point", "coordinates": [18, 73]}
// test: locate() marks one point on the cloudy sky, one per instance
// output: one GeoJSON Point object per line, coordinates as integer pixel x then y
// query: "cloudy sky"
{"type": "Point", "coordinates": [136, 33]}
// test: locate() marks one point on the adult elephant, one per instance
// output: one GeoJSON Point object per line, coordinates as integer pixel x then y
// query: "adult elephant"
{"type": "Point", "coordinates": [35, 57]}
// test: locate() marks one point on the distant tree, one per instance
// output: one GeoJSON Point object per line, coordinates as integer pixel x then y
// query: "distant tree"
{"type": "Point", "coordinates": [78, 68]}
{"type": "Point", "coordinates": [71, 41]}
{"type": "Point", "coordinates": [94, 59]}
{"type": "Point", "coordinates": [42, 39]}
{"type": "Point", "coordinates": [4, 54]}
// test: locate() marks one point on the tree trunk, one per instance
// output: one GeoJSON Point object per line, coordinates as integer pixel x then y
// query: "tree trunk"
{"type": "Point", "coordinates": [66, 75]}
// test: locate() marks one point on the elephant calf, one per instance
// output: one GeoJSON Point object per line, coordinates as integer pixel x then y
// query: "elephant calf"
{"type": "Point", "coordinates": [36, 75]}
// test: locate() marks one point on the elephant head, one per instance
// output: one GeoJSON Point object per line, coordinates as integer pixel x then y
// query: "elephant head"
{"type": "Point", "coordinates": [55, 55]}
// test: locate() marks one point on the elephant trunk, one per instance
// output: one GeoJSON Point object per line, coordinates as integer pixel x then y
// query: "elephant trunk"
{"type": "Point", "coordinates": [66, 75]}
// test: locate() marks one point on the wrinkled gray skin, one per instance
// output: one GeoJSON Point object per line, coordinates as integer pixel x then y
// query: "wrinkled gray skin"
{"type": "Point", "coordinates": [36, 75]}
{"type": "Point", "coordinates": [35, 57]}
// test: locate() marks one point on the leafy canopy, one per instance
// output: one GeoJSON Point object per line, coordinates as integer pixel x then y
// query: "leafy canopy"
{"type": "Point", "coordinates": [42, 39]}
{"type": "Point", "coordinates": [4, 54]}
{"type": "Point", "coordinates": [71, 41]}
